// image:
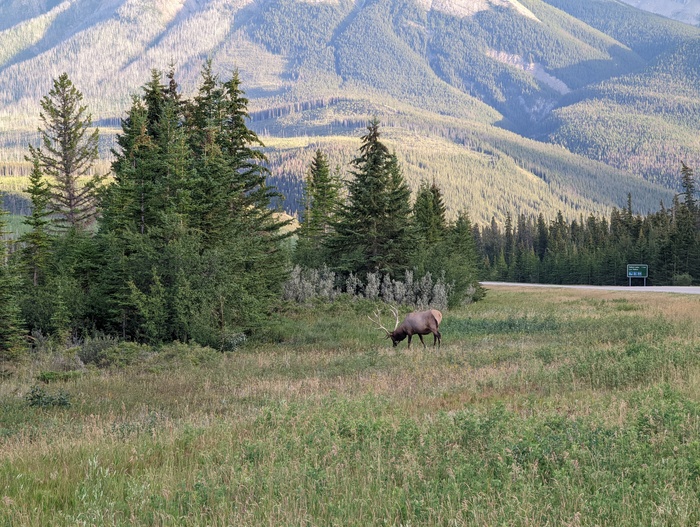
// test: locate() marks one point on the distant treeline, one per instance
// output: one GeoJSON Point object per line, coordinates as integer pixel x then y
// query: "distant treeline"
{"type": "Point", "coordinates": [596, 249]}
{"type": "Point", "coordinates": [281, 111]}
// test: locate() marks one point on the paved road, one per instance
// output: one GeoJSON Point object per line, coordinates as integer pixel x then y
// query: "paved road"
{"type": "Point", "coordinates": [649, 289]}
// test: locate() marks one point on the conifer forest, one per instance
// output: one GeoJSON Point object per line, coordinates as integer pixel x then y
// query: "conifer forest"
{"type": "Point", "coordinates": [182, 243]}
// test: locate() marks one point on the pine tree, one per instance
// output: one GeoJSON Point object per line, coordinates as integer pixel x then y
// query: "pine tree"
{"type": "Point", "coordinates": [35, 243]}
{"type": "Point", "coordinates": [429, 212]}
{"type": "Point", "coordinates": [322, 200]}
{"type": "Point", "coordinates": [373, 231]}
{"type": "Point", "coordinates": [249, 194]}
{"type": "Point", "coordinates": [461, 262]}
{"type": "Point", "coordinates": [66, 156]}
{"type": "Point", "coordinates": [509, 243]}
{"type": "Point", "coordinates": [231, 181]}
{"type": "Point", "coordinates": [683, 238]}
{"type": "Point", "coordinates": [196, 247]}
{"type": "Point", "coordinates": [688, 186]}
{"type": "Point", "coordinates": [11, 331]}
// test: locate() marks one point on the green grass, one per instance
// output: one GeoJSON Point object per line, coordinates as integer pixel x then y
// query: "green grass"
{"type": "Point", "coordinates": [559, 407]}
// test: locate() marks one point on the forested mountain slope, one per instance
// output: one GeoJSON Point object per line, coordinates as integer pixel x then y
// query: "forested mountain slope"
{"type": "Point", "coordinates": [459, 86]}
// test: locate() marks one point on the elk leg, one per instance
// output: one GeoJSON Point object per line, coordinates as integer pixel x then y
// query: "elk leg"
{"type": "Point", "coordinates": [421, 339]}
{"type": "Point", "coordinates": [409, 341]}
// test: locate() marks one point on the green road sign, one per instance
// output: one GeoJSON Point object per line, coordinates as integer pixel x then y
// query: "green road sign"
{"type": "Point", "coordinates": [637, 271]}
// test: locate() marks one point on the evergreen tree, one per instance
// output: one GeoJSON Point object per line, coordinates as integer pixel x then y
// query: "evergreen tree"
{"type": "Point", "coordinates": [36, 242]}
{"type": "Point", "coordinates": [231, 184]}
{"type": "Point", "coordinates": [492, 242]}
{"type": "Point", "coordinates": [373, 231]}
{"type": "Point", "coordinates": [509, 242]}
{"type": "Point", "coordinates": [461, 268]}
{"type": "Point", "coordinates": [151, 165]}
{"type": "Point", "coordinates": [11, 331]}
{"type": "Point", "coordinates": [683, 241]}
{"type": "Point", "coordinates": [249, 194]}
{"type": "Point", "coordinates": [429, 213]}
{"type": "Point", "coordinates": [542, 241]}
{"type": "Point", "coordinates": [194, 247]}
{"type": "Point", "coordinates": [322, 200]}
{"type": "Point", "coordinates": [66, 156]}
{"type": "Point", "coordinates": [688, 186]}
{"type": "Point", "coordinates": [446, 251]}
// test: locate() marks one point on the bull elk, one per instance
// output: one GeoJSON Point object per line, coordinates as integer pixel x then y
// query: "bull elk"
{"type": "Point", "coordinates": [417, 323]}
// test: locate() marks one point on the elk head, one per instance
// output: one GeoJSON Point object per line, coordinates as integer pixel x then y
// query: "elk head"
{"type": "Point", "coordinates": [393, 335]}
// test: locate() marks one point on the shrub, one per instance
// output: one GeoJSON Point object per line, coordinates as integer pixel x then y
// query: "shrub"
{"type": "Point", "coordinates": [123, 354]}
{"type": "Point", "coordinates": [105, 351]}
{"type": "Point", "coordinates": [37, 397]}
{"type": "Point", "coordinates": [186, 353]}
{"type": "Point", "coordinates": [309, 284]}
{"type": "Point", "coordinates": [94, 348]}
{"type": "Point", "coordinates": [682, 279]}
{"type": "Point", "coordinates": [306, 284]}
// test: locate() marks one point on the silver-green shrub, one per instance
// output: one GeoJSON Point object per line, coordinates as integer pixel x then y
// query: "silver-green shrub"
{"type": "Point", "coordinates": [372, 287]}
{"type": "Point", "coordinates": [305, 285]}
{"type": "Point", "coordinates": [353, 286]}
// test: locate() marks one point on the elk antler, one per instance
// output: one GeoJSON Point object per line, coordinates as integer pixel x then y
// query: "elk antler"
{"type": "Point", "coordinates": [377, 321]}
{"type": "Point", "coordinates": [395, 311]}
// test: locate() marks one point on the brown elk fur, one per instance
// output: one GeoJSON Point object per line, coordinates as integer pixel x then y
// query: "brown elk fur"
{"type": "Point", "coordinates": [417, 323]}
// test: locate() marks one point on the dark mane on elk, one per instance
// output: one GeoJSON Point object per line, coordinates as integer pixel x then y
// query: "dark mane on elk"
{"type": "Point", "coordinates": [417, 323]}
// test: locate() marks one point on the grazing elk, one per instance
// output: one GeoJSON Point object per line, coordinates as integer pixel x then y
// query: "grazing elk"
{"type": "Point", "coordinates": [417, 323]}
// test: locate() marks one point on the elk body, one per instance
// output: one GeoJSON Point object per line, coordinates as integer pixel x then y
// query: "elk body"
{"type": "Point", "coordinates": [417, 323]}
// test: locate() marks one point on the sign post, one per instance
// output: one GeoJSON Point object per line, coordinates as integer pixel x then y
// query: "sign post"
{"type": "Point", "coordinates": [637, 271]}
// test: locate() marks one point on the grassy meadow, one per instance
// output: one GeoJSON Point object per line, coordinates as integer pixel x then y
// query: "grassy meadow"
{"type": "Point", "coordinates": [542, 407]}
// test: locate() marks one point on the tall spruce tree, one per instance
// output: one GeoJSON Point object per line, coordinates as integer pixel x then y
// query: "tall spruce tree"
{"type": "Point", "coordinates": [688, 186]}
{"type": "Point", "coordinates": [36, 242]}
{"type": "Point", "coordinates": [321, 203]}
{"type": "Point", "coordinates": [66, 156]}
{"type": "Point", "coordinates": [429, 212]}
{"type": "Point", "coordinates": [231, 174]}
{"type": "Point", "coordinates": [11, 332]}
{"type": "Point", "coordinates": [462, 268]}
{"type": "Point", "coordinates": [374, 231]}
{"type": "Point", "coordinates": [684, 232]}
{"type": "Point", "coordinates": [242, 233]}
{"type": "Point", "coordinates": [151, 165]}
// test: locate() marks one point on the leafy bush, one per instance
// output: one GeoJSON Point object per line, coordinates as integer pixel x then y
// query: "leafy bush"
{"type": "Point", "coordinates": [182, 353]}
{"type": "Point", "coordinates": [105, 351]}
{"type": "Point", "coordinates": [38, 397]}
{"type": "Point", "coordinates": [306, 284]}
{"type": "Point", "coordinates": [123, 354]}
{"type": "Point", "coordinates": [682, 279]}
{"type": "Point", "coordinates": [232, 341]}
{"type": "Point", "coordinates": [94, 348]}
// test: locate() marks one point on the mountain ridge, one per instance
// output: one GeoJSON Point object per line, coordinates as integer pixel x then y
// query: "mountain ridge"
{"type": "Point", "coordinates": [529, 68]}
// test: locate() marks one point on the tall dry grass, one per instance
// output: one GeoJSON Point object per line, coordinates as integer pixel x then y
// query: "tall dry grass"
{"type": "Point", "coordinates": [559, 407]}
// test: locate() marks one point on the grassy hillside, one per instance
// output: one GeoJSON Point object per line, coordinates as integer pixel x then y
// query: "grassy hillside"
{"type": "Point", "coordinates": [552, 406]}
{"type": "Point", "coordinates": [585, 76]}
